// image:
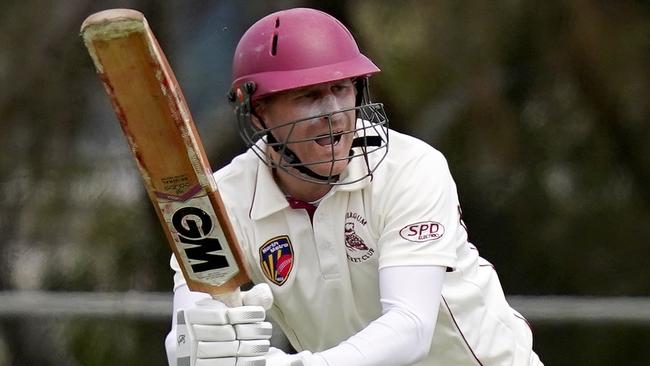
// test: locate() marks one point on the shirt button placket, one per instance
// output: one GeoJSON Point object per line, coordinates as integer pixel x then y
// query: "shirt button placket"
{"type": "Point", "coordinates": [324, 232]}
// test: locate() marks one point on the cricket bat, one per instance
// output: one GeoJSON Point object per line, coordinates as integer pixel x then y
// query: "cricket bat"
{"type": "Point", "coordinates": [165, 143]}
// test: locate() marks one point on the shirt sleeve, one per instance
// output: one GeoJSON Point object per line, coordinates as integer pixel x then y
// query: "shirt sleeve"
{"type": "Point", "coordinates": [420, 214]}
{"type": "Point", "coordinates": [403, 334]}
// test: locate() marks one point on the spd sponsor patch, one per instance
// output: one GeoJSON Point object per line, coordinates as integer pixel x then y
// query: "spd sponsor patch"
{"type": "Point", "coordinates": [276, 259]}
{"type": "Point", "coordinates": [422, 231]}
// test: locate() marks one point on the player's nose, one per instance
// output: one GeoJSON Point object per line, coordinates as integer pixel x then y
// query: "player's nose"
{"type": "Point", "coordinates": [329, 103]}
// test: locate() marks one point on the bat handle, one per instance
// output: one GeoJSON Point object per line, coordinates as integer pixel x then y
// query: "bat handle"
{"type": "Point", "coordinates": [230, 299]}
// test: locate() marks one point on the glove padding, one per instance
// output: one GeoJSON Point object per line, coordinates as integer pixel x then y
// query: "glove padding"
{"type": "Point", "coordinates": [212, 334]}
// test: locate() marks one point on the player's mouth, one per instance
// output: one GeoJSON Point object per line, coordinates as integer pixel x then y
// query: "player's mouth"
{"type": "Point", "coordinates": [327, 139]}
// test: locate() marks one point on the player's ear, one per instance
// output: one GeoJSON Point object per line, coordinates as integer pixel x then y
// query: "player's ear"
{"type": "Point", "coordinates": [256, 122]}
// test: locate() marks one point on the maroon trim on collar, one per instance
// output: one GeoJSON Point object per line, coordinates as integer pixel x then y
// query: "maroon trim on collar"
{"type": "Point", "coordinates": [298, 204]}
{"type": "Point", "coordinates": [250, 209]}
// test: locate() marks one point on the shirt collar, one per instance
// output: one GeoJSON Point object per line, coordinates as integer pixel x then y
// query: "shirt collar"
{"type": "Point", "coordinates": [356, 169]}
{"type": "Point", "coordinates": [269, 199]}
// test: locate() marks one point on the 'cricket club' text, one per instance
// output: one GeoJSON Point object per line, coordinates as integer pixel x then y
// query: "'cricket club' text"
{"type": "Point", "coordinates": [362, 258]}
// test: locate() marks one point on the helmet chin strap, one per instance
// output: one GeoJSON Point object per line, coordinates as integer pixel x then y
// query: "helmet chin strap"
{"type": "Point", "coordinates": [290, 157]}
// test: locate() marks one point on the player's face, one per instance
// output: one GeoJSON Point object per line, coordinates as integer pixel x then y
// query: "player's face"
{"type": "Point", "coordinates": [311, 138]}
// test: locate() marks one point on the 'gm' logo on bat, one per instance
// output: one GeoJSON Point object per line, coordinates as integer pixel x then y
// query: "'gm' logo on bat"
{"type": "Point", "coordinates": [193, 226]}
{"type": "Point", "coordinates": [422, 231]}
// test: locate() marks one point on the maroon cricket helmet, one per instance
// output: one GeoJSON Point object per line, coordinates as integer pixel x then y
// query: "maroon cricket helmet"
{"type": "Point", "coordinates": [294, 48]}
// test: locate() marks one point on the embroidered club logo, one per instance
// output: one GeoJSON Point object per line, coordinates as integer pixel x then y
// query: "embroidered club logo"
{"type": "Point", "coordinates": [356, 249]}
{"type": "Point", "coordinates": [352, 241]}
{"type": "Point", "coordinates": [276, 259]}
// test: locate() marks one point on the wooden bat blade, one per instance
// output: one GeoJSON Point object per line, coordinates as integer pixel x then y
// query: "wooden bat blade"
{"type": "Point", "coordinates": [166, 146]}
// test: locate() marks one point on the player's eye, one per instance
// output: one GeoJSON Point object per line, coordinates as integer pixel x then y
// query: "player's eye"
{"type": "Point", "coordinates": [305, 95]}
{"type": "Point", "coordinates": [341, 87]}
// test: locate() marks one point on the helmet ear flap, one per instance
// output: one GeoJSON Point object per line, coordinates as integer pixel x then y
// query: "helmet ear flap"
{"type": "Point", "coordinates": [241, 98]}
{"type": "Point", "coordinates": [238, 94]}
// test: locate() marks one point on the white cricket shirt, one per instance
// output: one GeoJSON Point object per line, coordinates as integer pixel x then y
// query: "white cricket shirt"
{"type": "Point", "coordinates": [324, 275]}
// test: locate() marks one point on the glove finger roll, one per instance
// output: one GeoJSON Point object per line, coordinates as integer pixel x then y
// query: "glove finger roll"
{"type": "Point", "coordinates": [217, 349]}
{"type": "Point", "coordinates": [246, 314]}
{"type": "Point", "coordinates": [206, 316]}
{"type": "Point", "coordinates": [214, 333]}
{"type": "Point", "coordinates": [253, 348]}
{"type": "Point", "coordinates": [231, 361]}
{"type": "Point", "coordinates": [261, 330]}
{"type": "Point", "coordinates": [251, 361]}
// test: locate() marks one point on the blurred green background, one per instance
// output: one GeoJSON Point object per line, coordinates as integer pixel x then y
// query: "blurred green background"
{"type": "Point", "coordinates": [541, 107]}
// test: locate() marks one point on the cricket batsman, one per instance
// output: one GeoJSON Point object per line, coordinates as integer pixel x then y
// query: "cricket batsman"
{"type": "Point", "coordinates": [352, 232]}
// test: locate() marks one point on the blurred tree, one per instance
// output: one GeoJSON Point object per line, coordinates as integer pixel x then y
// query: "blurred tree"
{"type": "Point", "coordinates": [542, 101]}
{"type": "Point", "coordinates": [72, 219]}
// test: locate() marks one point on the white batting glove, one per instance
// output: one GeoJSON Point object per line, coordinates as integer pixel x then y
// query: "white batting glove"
{"type": "Point", "coordinates": [259, 295]}
{"type": "Point", "coordinates": [304, 358]}
{"type": "Point", "coordinates": [212, 334]}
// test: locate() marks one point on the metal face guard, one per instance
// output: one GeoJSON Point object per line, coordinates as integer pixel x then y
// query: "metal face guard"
{"type": "Point", "coordinates": [370, 138]}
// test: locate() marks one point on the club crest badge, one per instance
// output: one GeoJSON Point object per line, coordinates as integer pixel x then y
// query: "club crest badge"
{"type": "Point", "coordinates": [352, 241]}
{"type": "Point", "coordinates": [356, 248]}
{"type": "Point", "coordinates": [276, 259]}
